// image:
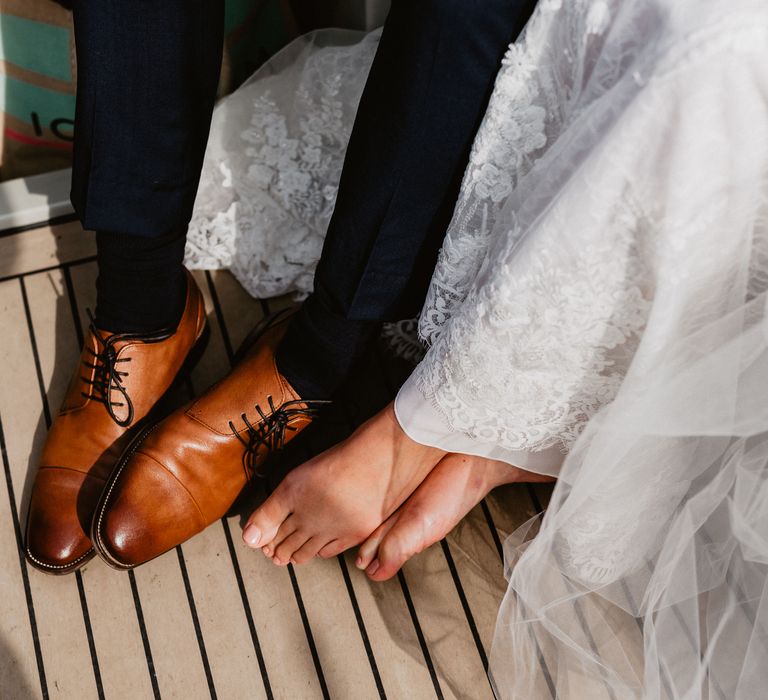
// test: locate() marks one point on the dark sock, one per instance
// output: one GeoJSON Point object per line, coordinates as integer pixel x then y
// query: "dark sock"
{"type": "Point", "coordinates": [141, 285]}
{"type": "Point", "coordinates": [320, 348]}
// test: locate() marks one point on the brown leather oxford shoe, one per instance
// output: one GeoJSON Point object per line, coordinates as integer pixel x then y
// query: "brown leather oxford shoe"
{"type": "Point", "coordinates": [180, 476]}
{"type": "Point", "coordinates": [116, 389]}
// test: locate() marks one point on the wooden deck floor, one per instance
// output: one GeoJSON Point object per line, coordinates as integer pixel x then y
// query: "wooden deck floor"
{"type": "Point", "coordinates": [212, 618]}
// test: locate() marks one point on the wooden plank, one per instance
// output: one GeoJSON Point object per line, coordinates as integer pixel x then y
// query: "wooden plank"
{"type": "Point", "coordinates": [117, 637]}
{"type": "Point", "coordinates": [18, 668]}
{"type": "Point", "coordinates": [391, 634]}
{"type": "Point", "coordinates": [84, 287]}
{"type": "Point", "coordinates": [284, 643]}
{"type": "Point", "coordinates": [241, 311]}
{"type": "Point", "coordinates": [569, 681]}
{"type": "Point", "coordinates": [164, 604]}
{"type": "Point", "coordinates": [480, 568]}
{"type": "Point", "coordinates": [211, 573]}
{"type": "Point", "coordinates": [345, 665]}
{"type": "Point", "coordinates": [445, 626]}
{"type": "Point", "coordinates": [451, 589]}
{"type": "Point", "coordinates": [397, 660]}
{"type": "Point", "coordinates": [196, 607]}
{"type": "Point", "coordinates": [269, 592]}
{"type": "Point", "coordinates": [57, 603]}
{"type": "Point", "coordinates": [329, 608]}
{"type": "Point", "coordinates": [607, 630]}
{"type": "Point", "coordinates": [436, 586]}
{"type": "Point", "coordinates": [170, 628]}
{"type": "Point", "coordinates": [504, 510]}
{"type": "Point", "coordinates": [44, 247]}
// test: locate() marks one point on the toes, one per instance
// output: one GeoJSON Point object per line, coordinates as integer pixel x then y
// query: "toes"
{"type": "Point", "coordinates": [285, 530]}
{"type": "Point", "coordinates": [394, 550]}
{"type": "Point", "coordinates": [332, 549]}
{"type": "Point", "coordinates": [368, 549]}
{"type": "Point", "coordinates": [286, 549]}
{"type": "Point", "coordinates": [307, 551]}
{"type": "Point", "coordinates": [265, 521]}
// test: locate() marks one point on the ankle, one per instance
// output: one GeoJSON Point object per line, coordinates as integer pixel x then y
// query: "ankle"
{"type": "Point", "coordinates": [501, 474]}
{"type": "Point", "coordinates": [488, 474]}
{"type": "Point", "coordinates": [321, 348]}
{"type": "Point", "coordinates": [142, 284]}
{"type": "Point", "coordinates": [117, 315]}
{"type": "Point", "coordinates": [403, 442]}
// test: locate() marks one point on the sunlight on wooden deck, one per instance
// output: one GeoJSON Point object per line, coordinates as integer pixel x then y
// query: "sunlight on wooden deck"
{"type": "Point", "coordinates": [212, 618]}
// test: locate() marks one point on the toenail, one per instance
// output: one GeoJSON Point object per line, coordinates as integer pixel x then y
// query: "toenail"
{"type": "Point", "coordinates": [267, 551]}
{"type": "Point", "coordinates": [359, 563]}
{"type": "Point", "coordinates": [252, 536]}
{"type": "Point", "coordinates": [373, 568]}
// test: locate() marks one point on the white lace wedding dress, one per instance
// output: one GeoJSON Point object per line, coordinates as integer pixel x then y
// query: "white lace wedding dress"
{"type": "Point", "coordinates": [599, 312]}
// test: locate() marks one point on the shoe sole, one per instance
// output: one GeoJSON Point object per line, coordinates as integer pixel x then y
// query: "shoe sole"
{"type": "Point", "coordinates": [250, 340]}
{"type": "Point", "coordinates": [96, 541]}
{"type": "Point", "coordinates": [156, 414]}
{"type": "Point", "coordinates": [62, 569]}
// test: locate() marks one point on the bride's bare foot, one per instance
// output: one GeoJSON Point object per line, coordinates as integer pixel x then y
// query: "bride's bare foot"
{"type": "Point", "coordinates": [338, 498]}
{"type": "Point", "coordinates": [453, 488]}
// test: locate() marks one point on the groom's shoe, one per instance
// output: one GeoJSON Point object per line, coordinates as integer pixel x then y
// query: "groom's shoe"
{"type": "Point", "coordinates": [185, 473]}
{"type": "Point", "coordinates": [116, 389]}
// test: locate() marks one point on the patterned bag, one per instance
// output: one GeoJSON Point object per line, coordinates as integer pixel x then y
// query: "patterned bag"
{"type": "Point", "coordinates": [37, 90]}
{"type": "Point", "coordinates": [38, 73]}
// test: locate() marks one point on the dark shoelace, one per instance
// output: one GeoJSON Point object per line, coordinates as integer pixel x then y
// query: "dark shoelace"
{"type": "Point", "coordinates": [106, 377]}
{"type": "Point", "coordinates": [270, 431]}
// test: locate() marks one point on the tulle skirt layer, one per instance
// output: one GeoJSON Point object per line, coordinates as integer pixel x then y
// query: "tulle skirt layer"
{"type": "Point", "coordinates": [601, 294]}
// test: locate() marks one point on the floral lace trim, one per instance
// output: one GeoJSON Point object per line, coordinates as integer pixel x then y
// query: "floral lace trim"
{"type": "Point", "coordinates": [268, 191]}
{"type": "Point", "coordinates": [559, 339]}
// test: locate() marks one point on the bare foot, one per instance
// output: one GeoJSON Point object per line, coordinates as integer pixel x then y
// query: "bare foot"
{"type": "Point", "coordinates": [453, 488]}
{"type": "Point", "coordinates": [337, 499]}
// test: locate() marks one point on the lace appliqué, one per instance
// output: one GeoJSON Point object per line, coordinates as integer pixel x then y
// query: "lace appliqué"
{"type": "Point", "coordinates": [558, 339]}
{"type": "Point", "coordinates": [512, 135]}
{"type": "Point", "coordinates": [599, 545]}
{"type": "Point", "coordinates": [527, 111]}
{"type": "Point", "coordinates": [558, 334]}
{"type": "Point", "coordinates": [267, 223]}
{"type": "Point", "coordinates": [402, 340]}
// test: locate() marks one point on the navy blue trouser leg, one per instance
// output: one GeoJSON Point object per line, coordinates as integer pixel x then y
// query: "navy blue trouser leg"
{"type": "Point", "coordinates": [425, 97]}
{"type": "Point", "coordinates": [147, 77]}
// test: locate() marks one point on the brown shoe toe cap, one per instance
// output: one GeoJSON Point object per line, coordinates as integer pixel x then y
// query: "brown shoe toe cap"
{"type": "Point", "coordinates": [60, 510]}
{"type": "Point", "coordinates": [146, 512]}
